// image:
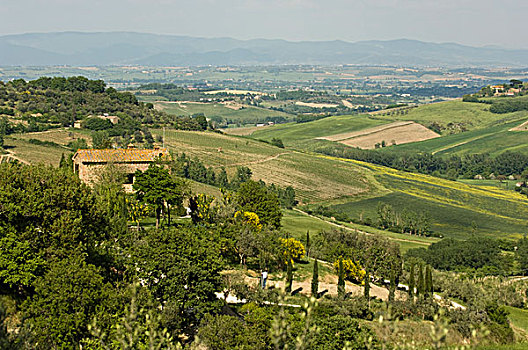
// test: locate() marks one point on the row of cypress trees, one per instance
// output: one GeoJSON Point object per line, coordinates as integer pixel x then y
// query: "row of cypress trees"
{"type": "Point", "coordinates": [424, 285]}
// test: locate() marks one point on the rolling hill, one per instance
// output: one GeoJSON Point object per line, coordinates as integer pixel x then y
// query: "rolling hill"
{"type": "Point", "coordinates": [352, 187]}
{"type": "Point", "coordinates": [111, 48]}
{"type": "Point", "coordinates": [486, 131]}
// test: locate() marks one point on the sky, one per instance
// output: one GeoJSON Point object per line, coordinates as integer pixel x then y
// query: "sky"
{"type": "Point", "coordinates": [469, 22]}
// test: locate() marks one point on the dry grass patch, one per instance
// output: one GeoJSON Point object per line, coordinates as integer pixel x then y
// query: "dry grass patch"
{"type": "Point", "coordinates": [522, 127]}
{"type": "Point", "coordinates": [316, 105]}
{"type": "Point", "coordinates": [393, 133]}
{"type": "Point", "coordinates": [59, 136]}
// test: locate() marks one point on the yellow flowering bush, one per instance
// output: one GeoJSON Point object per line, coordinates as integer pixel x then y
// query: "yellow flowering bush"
{"type": "Point", "coordinates": [249, 218]}
{"type": "Point", "coordinates": [353, 270]}
{"type": "Point", "coordinates": [292, 247]}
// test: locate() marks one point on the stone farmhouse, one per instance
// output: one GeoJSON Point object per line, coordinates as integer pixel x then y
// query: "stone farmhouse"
{"type": "Point", "coordinates": [88, 163]}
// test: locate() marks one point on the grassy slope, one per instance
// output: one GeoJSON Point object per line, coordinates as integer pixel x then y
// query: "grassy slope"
{"type": "Point", "coordinates": [473, 115]}
{"type": "Point", "coordinates": [35, 154]}
{"type": "Point", "coordinates": [248, 113]}
{"type": "Point", "coordinates": [357, 187]}
{"type": "Point", "coordinates": [453, 206]}
{"type": "Point", "coordinates": [292, 133]}
{"type": "Point", "coordinates": [315, 179]}
{"type": "Point", "coordinates": [488, 132]}
{"type": "Point", "coordinates": [494, 139]}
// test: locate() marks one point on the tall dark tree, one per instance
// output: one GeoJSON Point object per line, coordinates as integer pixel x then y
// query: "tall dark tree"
{"type": "Point", "coordinates": [366, 289]}
{"type": "Point", "coordinates": [522, 255]}
{"type": "Point", "coordinates": [221, 179]}
{"type": "Point", "coordinates": [308, 243]}
{"type": "Point", "coordinates": [428, 282]}
{"type": "Point", "coordinates": [289, 274]}
{"type": "Point", "coordinates": [341, 279]}
{"type": "Point", "coordinates": [392, 285]}
{"type": "Point", "coordinates": [315, 279]}
{"type": "Point", "coordinates": [411, 282]}
{"type": "Point", "coordinates": [157, 187]}
{"type": "Point", "coordinates": [421, 282]}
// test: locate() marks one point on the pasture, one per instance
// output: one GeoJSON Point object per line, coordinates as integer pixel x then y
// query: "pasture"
{"type": "Point", "coordinates": [471, 115]}
{"type": "Point", "coordinates": [456, 209]}
{"type": "Point", "coordinates": [390, 134]}
{"type": "Point", "coordinates": [292, 133]}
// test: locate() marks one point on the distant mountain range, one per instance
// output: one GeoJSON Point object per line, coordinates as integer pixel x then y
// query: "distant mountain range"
{"type": "Point", "coordinates": [128, 48]}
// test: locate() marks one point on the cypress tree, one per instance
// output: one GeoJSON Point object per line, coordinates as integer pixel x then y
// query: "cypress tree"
{"type": "Point", "coordinates": [341, 280]}
{"type": "Point", "coordinates": [420, 286]}
{"type": "Point", "coordinates": [315, 279]}
{"type": "Point", "coordinates": [428, 281]}
{"type": "Point", "coordinates": [308, 243]}
{"type": "Point", "coordinates": [289, 275]}
{"type": "Point", "coordinates": [411, 282]}
{"type": "Point", "coordinates": [392, 285]}
{"type": "Point", "coordinates": [366, 289]}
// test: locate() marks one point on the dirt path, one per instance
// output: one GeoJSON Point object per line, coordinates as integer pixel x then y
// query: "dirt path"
{"type": "Point", "coordinates": [11, 154]}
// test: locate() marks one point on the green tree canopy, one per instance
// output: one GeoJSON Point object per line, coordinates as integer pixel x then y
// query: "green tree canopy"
{"type": "Point", "coordinates": [158, 188]}
{"type": "Point", "coordinates": [45, 213]}
{"type": "Point", "coordinates": [254, 197]}
{"type": "Point", "coordinates": [185, 273]}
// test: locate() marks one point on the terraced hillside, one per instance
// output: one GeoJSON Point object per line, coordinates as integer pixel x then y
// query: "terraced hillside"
{"type": "Point", "coordinates": [456, 209]}
{"type": "Point", "coordinates": [315, 179]}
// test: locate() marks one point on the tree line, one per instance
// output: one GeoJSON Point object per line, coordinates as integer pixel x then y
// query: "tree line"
{"type": "Point", "coordinates": [451, 167]}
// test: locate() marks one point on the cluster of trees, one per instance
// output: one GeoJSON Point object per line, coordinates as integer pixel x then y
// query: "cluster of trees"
{"type": "Point", "coordinates": [452, 167]}
{"type": "Point", "coordinates": [305, 118]}
{"type": "Point", "coordinates": [406, 221]}
{"type": "Point", "coordinates": [53, 102]}
{"type": "Point", "coordinates": [75, 274]}
{"type": "Point", "coordinates": [368, 253]}
{"type": "Point", "coordinates": [480, 254]}
{"type": "Point", "coordinates": [172, 92]}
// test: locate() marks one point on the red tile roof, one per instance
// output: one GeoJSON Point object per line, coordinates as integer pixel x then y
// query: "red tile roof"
{"type": "Point", "coordinates": [129, 155]}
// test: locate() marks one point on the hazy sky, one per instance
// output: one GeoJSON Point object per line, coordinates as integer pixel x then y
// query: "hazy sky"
{"type": "Point", "coordinates": [472, 22]}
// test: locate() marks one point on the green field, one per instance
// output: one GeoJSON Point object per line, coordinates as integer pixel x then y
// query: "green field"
{"type": "Point", "coordinates": [356, 187]}
{"type": "Point", "coordinates": [245, 115]}
{"type": "Point", "coordinates": [315, 179]}
{"type": "Point", "coordinates": [454, 207]}
{"type": "Point", "coordinates": [292, 133]}
{"type": "Point", "coordinates": [472, 115]}
{"type": "Point", "coordinates": [494, 140]}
